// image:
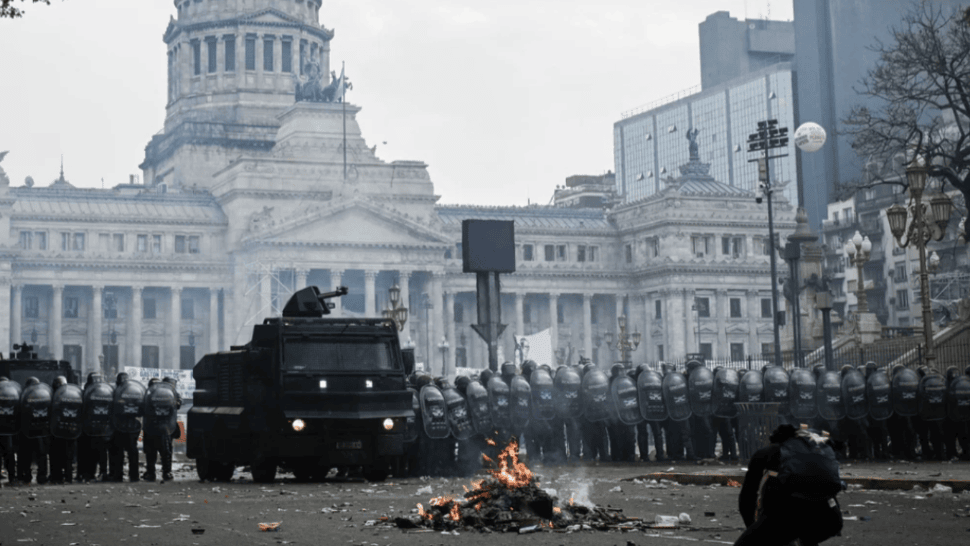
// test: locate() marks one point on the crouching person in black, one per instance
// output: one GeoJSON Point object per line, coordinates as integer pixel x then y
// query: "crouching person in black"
{"type": "Point", "coordinates": [789, 490]}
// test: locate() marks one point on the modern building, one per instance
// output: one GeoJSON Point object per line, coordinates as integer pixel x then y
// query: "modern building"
{"type": "Point", "coordinates": [649, 143]}
{"type": "Point", "coordinates": [245, 198]}
{"type": "Point", "coordinates": [731, 49]}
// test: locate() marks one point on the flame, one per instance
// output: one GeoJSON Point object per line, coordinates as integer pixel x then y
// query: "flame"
{"type": "Point", "coordinates": [556, 510]}
{"type": "Point", "coordinates": [511, 473]}
{"type": "Point", "coordinates": [455, 512]}
{"type": "Point", "coordinates": [478, 506]}
{"type": "Point", "coordinates": [422, 513]}
{"type": "Point", "coordinates": [572, 502]}
{"type": "Point", "coordinates": [489, 441]}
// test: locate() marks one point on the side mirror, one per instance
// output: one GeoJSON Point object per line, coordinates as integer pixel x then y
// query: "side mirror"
{"type": "Point", "coordinates": [408, 356]}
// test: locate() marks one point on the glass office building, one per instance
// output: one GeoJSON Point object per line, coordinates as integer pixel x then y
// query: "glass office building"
{"type": "Point", "coordinates": [649, 146]}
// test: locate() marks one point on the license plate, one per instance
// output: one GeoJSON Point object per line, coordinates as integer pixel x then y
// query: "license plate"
{"type": "Point", "coordinates": [356, 444]}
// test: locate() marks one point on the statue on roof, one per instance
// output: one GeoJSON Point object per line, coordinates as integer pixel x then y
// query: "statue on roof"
{"type": "Point", "coordinates": [311, 88]}
{"type": "Point", "coordinates": [4, 181]}
{"type": "Point", "coordinates": [692, 138]}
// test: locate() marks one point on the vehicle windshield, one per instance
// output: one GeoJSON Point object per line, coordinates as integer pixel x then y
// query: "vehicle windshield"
{"type": "Point", "coordinates": [341, 356]}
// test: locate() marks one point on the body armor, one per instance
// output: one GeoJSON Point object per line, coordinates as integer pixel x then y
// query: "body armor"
{"type": "Point", "coordinates": [651, 396]}
{"type": "Point", "coordinates": [434, 413]}
{"type": "Point", "coordinates": [596, 390]}
{"type": "Point", "coordinates": [675, 396]}
{"type": "Point", "coordinates": [905, 389]}
{"type": "Point", "coordinates": [854, 394]}
{"type": "Point", "coordinates": [625, 400]}
{"type": "Point", "coordinates": [67, 412]}
{"type": "Point", "coordinates": [726, 383]}
{"type": "Point", "coordinates": [801, 394]}
{"type": "Point", "coordinates": [128, 406]}
{"type": "Point", "coordinates": [700, 385]}
{"type": "Point", "coordinates": [879, 394]}
{"type": "Point", "coordinates": [828, 392]}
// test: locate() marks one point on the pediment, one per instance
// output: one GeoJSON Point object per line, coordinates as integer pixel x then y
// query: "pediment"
{"type": "Point", "coordinates": [269, 15]}
{"type": "Point", "coordinates": [355, 222]}
{"type": "Point", "coordinates": [737, 328]}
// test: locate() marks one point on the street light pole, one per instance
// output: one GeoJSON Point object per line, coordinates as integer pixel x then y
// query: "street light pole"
{"type": "Point", "coordinates": [858, 249]}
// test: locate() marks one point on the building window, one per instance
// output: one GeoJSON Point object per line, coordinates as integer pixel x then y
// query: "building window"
{"type": "Point", "coordinates": [78, 241]}
{"type": "Point", "coordinates": [900, 273]}
{"type": "Point", "coordinates": [71, 307]}
{"type": "Point", "coordinates": [65, 241]}
{"type": "Point", "coordinates": [194, 245]}
{"type": "Point", "coordinates": [732, 246]}
{"type": "Point", "coordinates": [26, 238]}
{"type": "Point", "coordinates": [737, 352]}
{"type": "Point", "coordinates": [735, 307]}
{"type": "Point", "coordinates": [148, 308]}
{"type": "Point", "coordinates": [302, 55]}
{"type": "Point", "coordinates": [230, 53]}
{"type": "Point", "coordinates": [527, 254]}
{"type": "Point", "coordinates": [660, 352]}
{"type": "Point", "coordinates": [902, 299]}
{"type": "Point", "coordinates": [142, 243]}
{"type": "Point", "coordinates": [765, 307]}
{"type": "Point", "coordinates": [581, 253]}
{"type": "Point", "coordinates": [561, 253]}
{"type": "Point", "coordinates": [767, 349]}
{"type": "Point", "coordinates": [118, 242]}
{"type": "Point", "coordinates": [458, 312]}
{"type": "Point", "coordinates": [527, 313]}
{"type": "Point", "coordinates": [156, 244]}
{"type": "Point", "coordinates": [188, 309]}
{"type": "Point", "coordinates": [550, 251]}
{"type": "Point", "coordinates": [658, 309]}
{"type": "Point", "coordinates": [703, 307]}
{"type": "Point", "coordinates": [180, 244]}
{"type": "Point", "coordinates": [31, 307]}
{"type": "Point", "coordinates": [267, 54]}
{"type": "Point", "coordinates": [196, 57]}
{"type": "Point", "coordinates": [250, 53]}
{"type": "Point", "coordinates": [74, 354]}
{"type": "Point", "coordinates": [654, 246]}
{"type": "Point", "coordinates": [560, 317]}
{"type": "Point", "coordinates": [707, 350]}
{"type": "Point", "coordinates": [110, 306]}
{"type": "Point", "coordinates": [287, 52]}
{"type": "Point", "coordinates": [40, 240]}
{"type": "Point", "coordinates": [149, 356]}
{"type": "Point", "coordinates": [628, 252]}
{"type": "Point", "coordinates": [211, 47]}
{"type": "Point", "coordinates": [591, 252]}
{"type": "Point", "coordinates": [699, 245]}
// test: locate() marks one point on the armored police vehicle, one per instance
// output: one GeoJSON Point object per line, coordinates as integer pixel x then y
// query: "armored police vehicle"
{"type": "Point", "coordinates": [307, 394]}
{"type": "Point", "coordinates": [24, 364]}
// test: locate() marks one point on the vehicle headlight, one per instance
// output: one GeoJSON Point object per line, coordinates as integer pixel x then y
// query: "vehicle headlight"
{"type": "Point", "coordinates": [298, 425]}
{"type": "Point", "coordinates": [388, 423]}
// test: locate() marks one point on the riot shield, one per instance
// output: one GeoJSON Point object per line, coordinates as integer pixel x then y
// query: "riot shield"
{"type": "Point", "coordinates": [498, 402]}
{"type": "Point", "coordinates": [752, 387]}
{"type": "Point", "coordinates": [700, 385]}
{"type": "Point", "coordinates": [726, 383]}
{"type": "Point", "coordinates": [879, 394]}
{"type": "Point", "coordinates": [624, 395]}
{"type": "Point", "coordinates": [434, 413]}
{"type": "Point", "coordinates": [958, 399]}
{"type": "Point", "coordinates": [905, 388]}
{"type": "Point", "coordinates": [477, 398]}
{"type": "Point", "coordinates": [675, 396]}
{"type": "Point", "coordinates": [543, 404]}
{"type": "Point", "coordinates": [97, 410]}
{"type": "Point", "coordinates": [776, 388]}
{"type": "Point", "coordinates": [651, 396]}
{"type": "Point", "coordinates": [66, 412]}
{"type": "Point", "coordinates": [35, 411]}
{"type": "Point", "coordinates": [459, 420]}
{"type": "Point", "coordinates": [9, 408]}
{"type": "Point", "coordinates": [828, 392]}
{"type": "Point", "coordinates": [854, 394]}
{"type": "Point", "coordinates": [520, 404]}
{"type": "Point", "coordinates": [932, 397]}
{"type": "Point", "coordinates": [801, 394]}
{"type": "Point", "coordinates": [568, 385]}
{"type": "Point", "coordinates": [411, 425]}
{"type": "Point", "coordinates": [596, 390]}
{"type": "Point", "coordinates": [161, 410]}
{"type": "Point", "coordinates": [128, 406]}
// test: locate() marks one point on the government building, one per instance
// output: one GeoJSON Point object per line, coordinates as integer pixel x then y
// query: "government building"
{"type": "Point", "coordinates": [248, 194]}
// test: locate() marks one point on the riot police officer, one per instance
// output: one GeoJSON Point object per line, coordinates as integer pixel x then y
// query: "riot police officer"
{"type": "Point", "coordinates": [124, 442]}
{"type": "Point", "coordinates": [33, 446]}
{"type": "Point", "coordinates": [679, 441]}
{"type": "Point", "coordinates": [622, 436]}
{"type": "Point", "coordinates": [10, 400]}
{"type": "Point", "coordinates": [92, 446]}
{"type": "Point", "coordinates": [156, 442]}
{"type": "Point", "coordinates": [63, 446]}
{"type": "Point", "coordinates": [593, 422]}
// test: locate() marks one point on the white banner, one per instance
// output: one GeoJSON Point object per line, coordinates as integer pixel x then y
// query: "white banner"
{"type": "Point", "coordinates": [185, 386]}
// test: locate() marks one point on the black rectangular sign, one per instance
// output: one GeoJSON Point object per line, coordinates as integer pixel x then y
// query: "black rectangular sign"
{"type": "Point", "coordinates": [488, 245]}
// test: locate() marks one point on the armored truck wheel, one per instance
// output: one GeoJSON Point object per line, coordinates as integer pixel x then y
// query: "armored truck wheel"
{"type": "Point", "coordinates": [221, 471]}
{"type": "Point", "coordinates": [264, 471]}
{"type": "Point", "coordinates": [376, 473]}
{"type": "Point", "coordinates": [203, 467]}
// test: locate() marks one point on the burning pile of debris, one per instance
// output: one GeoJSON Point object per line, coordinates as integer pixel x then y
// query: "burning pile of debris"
{"type": "Point", "coordinates": [510, 499]}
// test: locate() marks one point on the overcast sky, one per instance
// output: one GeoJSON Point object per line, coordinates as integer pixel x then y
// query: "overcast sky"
{"type": "Point", "coordinates": [503, 99]}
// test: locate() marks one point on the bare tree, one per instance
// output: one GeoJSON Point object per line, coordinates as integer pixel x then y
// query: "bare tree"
{"type": "Point", "coordinates": [921, 84]}
{"type": "Point", "coordinates": [7, 9]}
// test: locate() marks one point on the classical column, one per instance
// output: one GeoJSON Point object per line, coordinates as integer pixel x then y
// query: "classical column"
{"type": "Point", "coordinates": [437, 325]}
{"type": "Point", "coordinates": [754, 312]}
{"type": "Point", "coordinates": [618, 307]}
{"type": "Point", "coordinates": [519, 314]}
{"type": "Point", "coordinates": [370, 303]}
{"type": "Point", "coordinates": [301, 276]}
{"type": "Point", "coordinates": [667, 319]}
{"type": "Point", "coordinates": [174, 333]}
{"type": "Point", "coordinates": [554, 322]}
{"type": "Point", "coordinates": [16, 328]}
{"type": "Point", "coordinates": [96, 313]}
{"type": "Point", "coordinates": [213, 320]}
{"type": "Point", "coordinates": [5, 306]}
{"type": "Point", "coordinates": [137, 314]}
{"type": "Point", "coordinates": [452, 340]}
{"type": "Point", "coordinates": [336, 277]}
{"type": "Point", "coordinates": [723, 306]}
{"type": "Point", "coordinates": [57, 319]}
{"type": "Point", "coordinates": [588, 325]}
{"type": "Point", "coordinates": [690, 341]}
{"type": "Point", "coordinates": [648, 310]}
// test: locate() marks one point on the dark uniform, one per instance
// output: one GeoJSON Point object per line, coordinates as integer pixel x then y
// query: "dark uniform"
{"type": "Point", "coordinates": [32, 450]}
{"type": "Point", "coordinates": [157, 446]}
{"type": "Point", "coordinates": [775, 518]}
{"type": "Point", "coordinates": [122, 444]}
{"type": "Point", "coordinates": [8, 452]}
{"type": "Point", "coordinates": [62, 450]}
{"type": "Point", "coordinates": [92, 451]}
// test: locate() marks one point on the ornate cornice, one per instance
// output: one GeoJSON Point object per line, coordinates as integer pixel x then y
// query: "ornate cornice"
{"type": "Point", "coordinates": [176, 28]}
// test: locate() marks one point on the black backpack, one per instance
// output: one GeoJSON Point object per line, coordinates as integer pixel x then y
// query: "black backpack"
{"type": "Point", "coordinates": [808, 470]}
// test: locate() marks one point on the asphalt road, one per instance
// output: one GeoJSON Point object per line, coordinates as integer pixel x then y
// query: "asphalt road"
{"type": "Point", "coordinates": [349, 512]}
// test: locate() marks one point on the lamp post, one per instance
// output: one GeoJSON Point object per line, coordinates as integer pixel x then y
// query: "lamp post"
{"type": "Point", "coordinates": [522, 349]}
{"type": "Point", "coordinates": [443, 347]}
{"type": "Point", "coordinates": [697, 309]}
{"type": "Point", "coordinates": [625, 343]}
{"type": "Point", "coordinates": [396, 311]}
{"type": "Point", "coordinates": [428, 306]}
{"type": "Point", "coordinates": [927, 223]}
{"type": "Point", "coordinates": [857, 249]}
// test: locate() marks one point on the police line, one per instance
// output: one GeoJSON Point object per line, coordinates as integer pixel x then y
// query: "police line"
{"type": "Point", "coordinates": [508, 402]}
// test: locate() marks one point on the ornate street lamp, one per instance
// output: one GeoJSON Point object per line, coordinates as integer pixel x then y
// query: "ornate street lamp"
{"type": "Point", "coordinates": [396, 311]}
{"type": "Point", "coordinates": [443, 347]}
{"type": "Point", "coordinates": [858, 249]}
{"type": "Point", "coordinates": [928, 223]}
{"type": "Point", "coordinates": [625, 342]}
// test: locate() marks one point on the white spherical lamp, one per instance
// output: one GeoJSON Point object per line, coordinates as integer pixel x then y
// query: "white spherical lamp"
{"type": "Point", "coordinates": [809, 137]}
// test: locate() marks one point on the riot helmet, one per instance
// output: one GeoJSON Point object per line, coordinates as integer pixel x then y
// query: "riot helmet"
{"type": "Point", "coordinates": [484, 376]}
{"type": "Point", "coordinates": [844, 370]}
{"type": "Point", "coordinates": [31, 381]}
{"type": "Point", "coordinates": [951, 373]}
{"type": "Point", "coordinates": [617, 370]}
{"type": "Point", "coordinates": [121, 379]}
{"type": "Point", "coordinates": [3, 378]}
{"type": "Point", "coordinates": [870, 368]}
{"type": "Point", "coordinates": [528, 367]}
{"type": "Point", "coordinates": [508, 371]}
{"type": "Point", "coordinates": [58, 382]}
{"type": "Point", "coordinates": [588, 368]}
{"type": "Point", "coordinates": [153, 381]}
{"type": "Point", "coordinates": [170, 380]}
{"type": "Point", "coordinates": [642, 368]}
{"type": "Point", "coordinates": [443, 383]}
{"type": "Point", "coordinates": [424, 380]}
{"type": "Point", "coordinates": [461, 383]}
{"type": "Point", "coordinates": [547, 368]}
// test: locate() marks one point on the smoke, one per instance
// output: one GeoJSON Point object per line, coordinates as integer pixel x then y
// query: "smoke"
{"type": "Point", "coordinates": [579, 492]}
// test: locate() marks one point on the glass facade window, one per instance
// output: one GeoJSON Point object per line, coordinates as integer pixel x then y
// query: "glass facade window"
{"type": "Point", "coordinates": [71, 307]}
{"type": "Point", "coordinates": [31, 307]}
